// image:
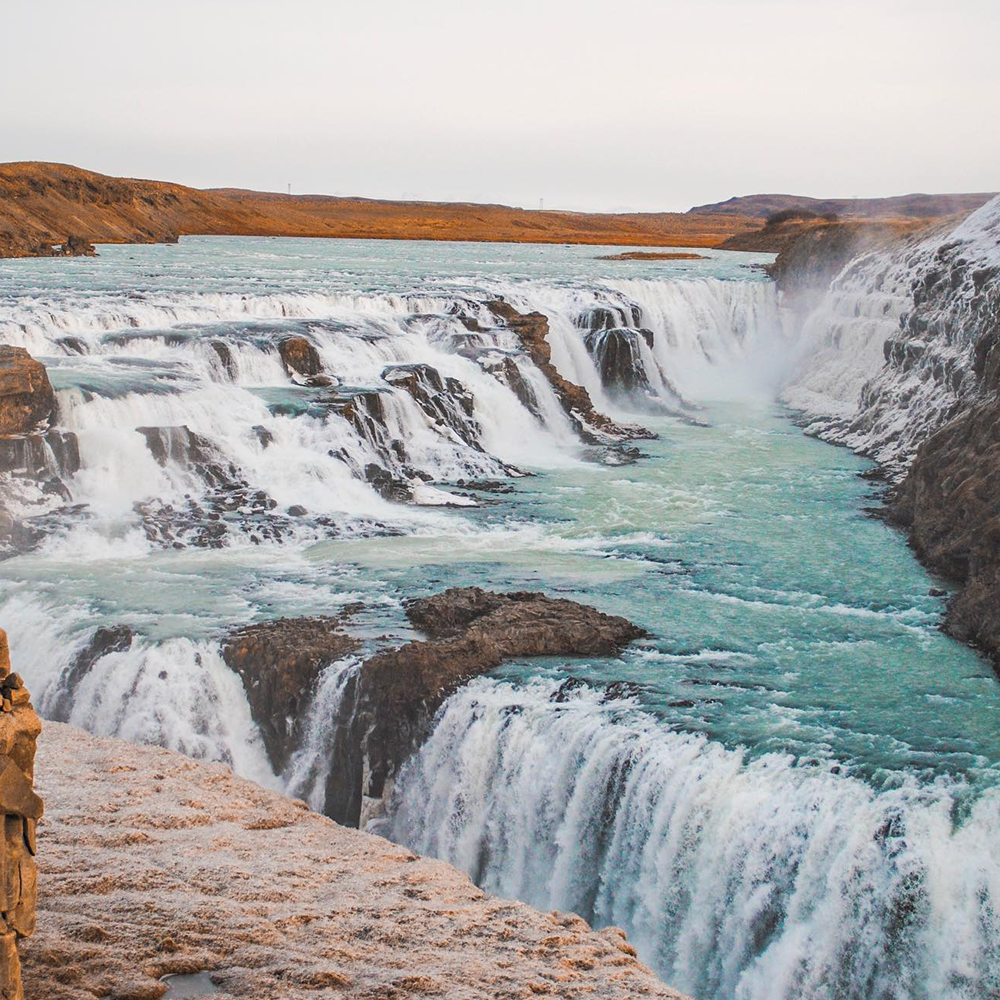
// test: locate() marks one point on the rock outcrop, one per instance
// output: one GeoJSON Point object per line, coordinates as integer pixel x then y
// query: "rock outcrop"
{"type": "Point", "coordinates": [950, 503]}
{"type": "Point", "coordinates": [592, 426]}
{"type": "Point", "coordinates": [470, 632]}
{"type": "Point", "coordinates": [154, 864]}
{"type": "Point", "coordinates": [21, 809]}
{"type": "Point", "coordinates": [278, 662]}
{"type": "Point", "coordinates": [26, 397]}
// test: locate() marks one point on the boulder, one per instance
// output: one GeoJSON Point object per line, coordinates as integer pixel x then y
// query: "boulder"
{"type": "Point", "coordinates": [26, 397]}
{"type": "Point", "coordinates": [301, 361]}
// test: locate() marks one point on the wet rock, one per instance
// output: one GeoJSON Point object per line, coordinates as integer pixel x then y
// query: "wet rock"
{"type": "Point", "coordinates": [302, 362]}
{"type": "Point", "coordinates": [113, 639]}
{"type": "Point", "coordinates": [950, 502]}
{"type": "Point", "coordinates": [279, 662]}
{"type": "Point", "coordinates": [618, 358]}
{"type": "Point", "coordinates": [471, 631]}
{"type": "Point", "coordinates": [26, 397]}
{"type": "Point", "coordinates": [76, 246]}
{"type": "Point", "coordinates": [73, 345]}
{"type": "Point", "coordinates": [446, 401]}
{"type": "Point", "coordinates": [593, 427]}
{"type": "Point", "coordinates": [505, 370]}
{"type": "Point", "coordinates": [609, 317]}
{"type": "Point", "coordinates": [225, 356]}
{"type": "Point", "coordinates": [388, 486]}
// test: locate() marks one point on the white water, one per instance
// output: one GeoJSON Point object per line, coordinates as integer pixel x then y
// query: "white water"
{"type": "Point", "coordinates": [749, 879]}
{"type": "Point", "coordinates": [738, 876]}
{"type": "Point", "coordinates": [920, 295]}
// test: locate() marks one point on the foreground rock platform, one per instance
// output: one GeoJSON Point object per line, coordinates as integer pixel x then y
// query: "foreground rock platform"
{"type": "Point", "coordinates": [151, 863]}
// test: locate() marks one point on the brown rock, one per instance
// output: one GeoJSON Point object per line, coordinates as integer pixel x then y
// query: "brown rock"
{"type": "Point", "coordinates": [593, 427]}
{"type": "Point", "coordinates": [20, 809]}
{"type": "Point", "coordinates": [471, 631]}
{"type": "Point", "coordinates": [26, 396]}
{"type": "Point", "coordinates": [278, 662]}
{"type": "Point", "coordinates": [299, 357]}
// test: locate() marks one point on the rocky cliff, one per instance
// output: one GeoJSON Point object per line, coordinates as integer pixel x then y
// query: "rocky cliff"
{"type": "Point", "coordinates": [901, 361]}
{"type": "Point", "coordinates": [21, 809]}
{"type": "Point", "coordinates": [154, 865]}
{"type": "Point", "coordinates": [389, 702]}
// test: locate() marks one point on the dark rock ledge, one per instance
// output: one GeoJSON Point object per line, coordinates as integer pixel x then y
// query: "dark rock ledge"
{"type": "Point", "coordinates": [392, 699]}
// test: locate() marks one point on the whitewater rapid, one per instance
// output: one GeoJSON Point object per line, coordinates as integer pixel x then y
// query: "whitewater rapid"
{"type": "Point", "coordinates": [796, 797]}
{"type": "Point", "coordinates": [758, 879]}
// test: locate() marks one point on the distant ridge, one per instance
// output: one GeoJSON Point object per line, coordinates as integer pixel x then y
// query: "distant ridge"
{"type": "Point", "coordinates": [42, 204]}
{"type": "Point", "coordinates": [905, 206]}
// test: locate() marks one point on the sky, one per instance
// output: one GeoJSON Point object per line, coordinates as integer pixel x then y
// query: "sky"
{"type": "Point", "coordinates": [600, 106]}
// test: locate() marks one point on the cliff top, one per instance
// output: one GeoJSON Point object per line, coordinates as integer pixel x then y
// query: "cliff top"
{"type": "Point", "coordinates": [151, 863]}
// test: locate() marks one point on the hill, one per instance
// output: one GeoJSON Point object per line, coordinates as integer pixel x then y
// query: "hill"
{"type": "Point", "coordinates": [906, 206]}
{"type": "Point", "coordinates": [44, 204]}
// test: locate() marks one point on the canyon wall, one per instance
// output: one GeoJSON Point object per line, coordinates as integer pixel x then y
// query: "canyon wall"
{"type": "Point", "coordinates": [899, 359]}
{"type": "Point", "coordinates": [20, 811]}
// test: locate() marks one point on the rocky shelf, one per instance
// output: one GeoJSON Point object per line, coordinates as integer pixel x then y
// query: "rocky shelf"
{"type": "Point", "coordinates": [151, 864]}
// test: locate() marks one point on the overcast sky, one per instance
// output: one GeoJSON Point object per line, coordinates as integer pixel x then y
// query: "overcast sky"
{"type": "Point", "coordinates": [603, 105]}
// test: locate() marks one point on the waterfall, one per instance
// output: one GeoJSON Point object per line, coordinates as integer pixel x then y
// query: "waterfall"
{"type": "Point", "coordinates": [753, 879]}
{"type": "Point", "coordinates": [889, 354]}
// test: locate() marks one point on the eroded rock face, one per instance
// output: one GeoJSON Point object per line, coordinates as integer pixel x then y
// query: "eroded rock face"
{"type": "Point", "coordinates": [278, 662]}
{"type": "Point", "coordinates": [20, 810]}
{"type": "Point", "coordinates": [26, 397]}
{"type": "Point", "coordinates": [950, 501]}
{"type": "Point", "coordinates": [592, 426]}
{"type": "Point", "coordinates": [471, 631]}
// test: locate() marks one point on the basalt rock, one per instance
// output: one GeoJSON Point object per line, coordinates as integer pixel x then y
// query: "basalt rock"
{"type": "Point", "coordinates": [950, 502]}
{"type": "Point", "coordinates": [302, 361]}
{"type": "Point", "coordinates": [279, 662]}
{"type": "Point", "coordinates": [446, 401]}
{"type": "Point", "coordinates": [20, 811]}
{"type": "Point", "coordinates": [470, 632]}
{"type": "Point", "coordinates": [593, 427]}
{"type": "Point", "coordinates": [617, 356]}
{"type": "Point", "coordinates": [26, 397]}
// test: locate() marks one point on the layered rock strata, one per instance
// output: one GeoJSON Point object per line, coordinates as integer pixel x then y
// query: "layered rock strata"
{"type": "Point", "coordinates": [20, 809]}
{"type": "Point", "coordinates": [154, 865]}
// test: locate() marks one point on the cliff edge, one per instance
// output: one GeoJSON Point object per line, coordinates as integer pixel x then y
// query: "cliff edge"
{"type": "Point", "coordinates": [151, 864]}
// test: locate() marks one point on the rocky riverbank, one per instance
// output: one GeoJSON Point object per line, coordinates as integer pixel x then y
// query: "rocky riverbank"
{"type": "Point", "coordinates": [151, 864]}
{"type": "Point", "coordinates": [901, 361]}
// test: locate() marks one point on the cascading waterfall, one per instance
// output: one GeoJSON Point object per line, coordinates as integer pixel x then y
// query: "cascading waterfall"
{"type": "Point", "coordinates": [756, 879]}
{"type": "Point", "coordinates": [886, 357]}
{"type": "Point", "coordinates": [215, 481]}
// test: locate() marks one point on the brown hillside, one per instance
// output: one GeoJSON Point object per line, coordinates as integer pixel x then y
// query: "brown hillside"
{"type": "Point", "coordinates": [45, 203]}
